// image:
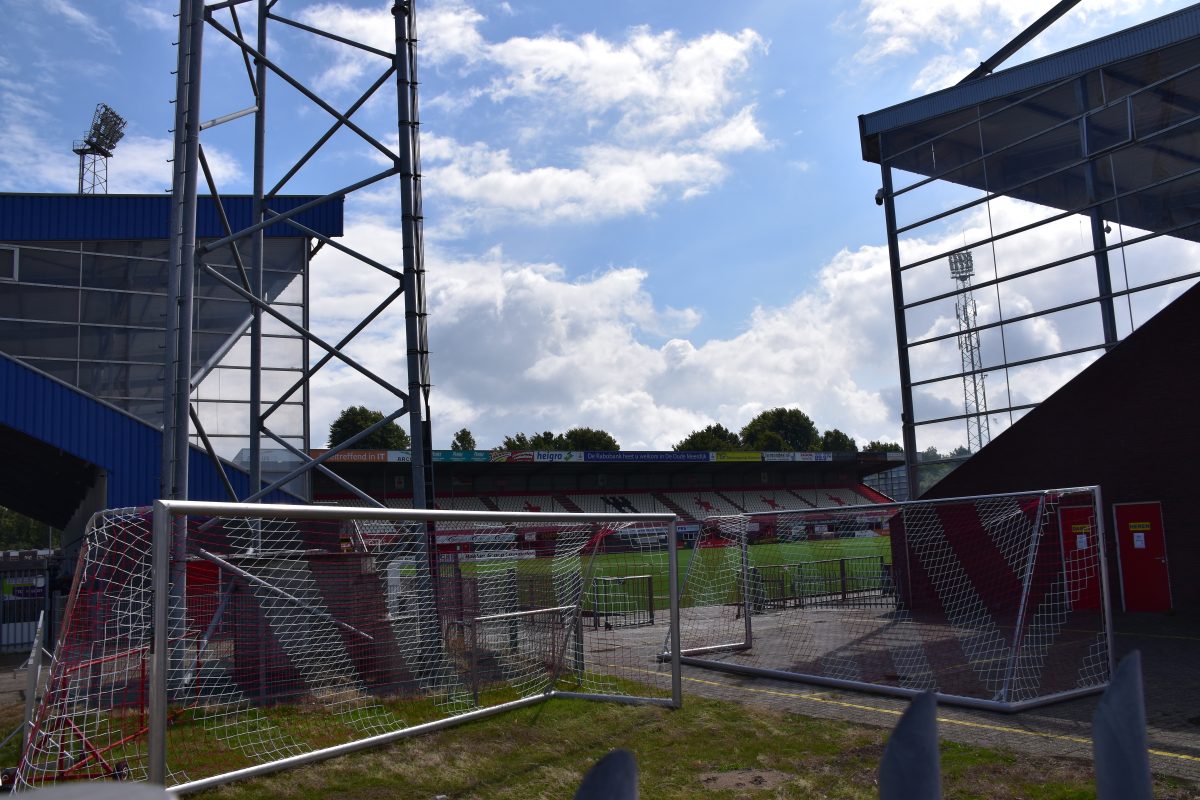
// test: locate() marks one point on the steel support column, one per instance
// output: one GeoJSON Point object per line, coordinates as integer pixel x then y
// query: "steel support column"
{"type": "Point", "coordinates": [907, 427]}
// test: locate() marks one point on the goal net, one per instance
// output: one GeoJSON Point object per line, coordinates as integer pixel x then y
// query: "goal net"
{"type": "Point", "coordinates": [995, 601]}
{"type": "Point", "coordinates": [318, 628]}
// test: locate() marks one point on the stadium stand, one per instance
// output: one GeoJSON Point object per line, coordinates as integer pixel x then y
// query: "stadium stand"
{"type": "Point", "coordinates": [533, 503]}
{"type": "Point", "coordinates": [761, 503]}
{"type": "Point", "coordinates": [702, 504]}
{"type": "Point", "coordinates": [459, 503]}
{"type": "Point", "coordinates": [689, 506]}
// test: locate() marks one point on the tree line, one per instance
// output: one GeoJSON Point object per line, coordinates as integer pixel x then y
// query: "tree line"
{"type": "Point", "coordinates": [782, 429]}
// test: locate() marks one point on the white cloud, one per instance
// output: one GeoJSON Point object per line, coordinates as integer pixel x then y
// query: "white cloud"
{"type": "Point", "coordinates": [447, 31]}
{"type": "Point", "coordinates": [943, 33]}
{"type": "Point", "coordinates": [90, 25]}
{"type": "Point", "coordinates": [605, 182]}
{"type": "Point", "coordinates": [945, 70]}
{"type": "Point", "coordinates": [140, 166]}
{"type": "Point", "coordinates": [155, 15]}
{"type": "Point", "coordinates": [660, 85]}
{"type": "Point", "coordinates": [586, 127]}
{"type": "Point", "coordinates": [741, 132]}
{"type": "Point", "coordinates": [520, 346]}
{"type": "Point", "coordinates": [27, 158]}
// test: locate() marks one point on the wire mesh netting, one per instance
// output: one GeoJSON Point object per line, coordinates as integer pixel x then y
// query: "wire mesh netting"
{"type": "Point", "coordinates": [291, 635]}
{"type": "Point", "coordinates": [996, 600]}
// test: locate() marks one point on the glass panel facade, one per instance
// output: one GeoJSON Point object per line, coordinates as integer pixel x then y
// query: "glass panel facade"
{"type": "Point", "coordinates": [93, 314]}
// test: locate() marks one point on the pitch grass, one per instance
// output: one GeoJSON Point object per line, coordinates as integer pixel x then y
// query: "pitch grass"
{"type": "Point", "coordinates": [708, 749]}
{"type": "Point", "coordinates": [654, 563]}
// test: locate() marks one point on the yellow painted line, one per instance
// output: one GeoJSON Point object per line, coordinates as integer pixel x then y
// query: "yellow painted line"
{"type": "Point", "coordinates": [820, 697]}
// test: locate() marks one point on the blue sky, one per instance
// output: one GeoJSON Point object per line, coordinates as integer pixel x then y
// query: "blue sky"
{"type": "Point", "coordinates": [644, 217]}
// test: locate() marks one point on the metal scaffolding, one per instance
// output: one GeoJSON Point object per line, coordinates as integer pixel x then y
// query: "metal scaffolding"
{"type": "Point", "coordinates": [190, 259]}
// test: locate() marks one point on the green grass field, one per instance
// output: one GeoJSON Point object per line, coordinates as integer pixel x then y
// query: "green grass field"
{"type": "Point", "coordinates": [709, 749]}
{"type": "Point", "coordinates": [654, 564]}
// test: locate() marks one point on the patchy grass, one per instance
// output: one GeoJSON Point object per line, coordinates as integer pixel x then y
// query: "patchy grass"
{"type": "Point", "coordinates": [709, 749]}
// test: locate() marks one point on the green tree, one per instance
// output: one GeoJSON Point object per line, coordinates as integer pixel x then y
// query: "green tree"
{"type": "Point", "coordinates": [357, 418]}
{"type": "Point", "coordinates": [463, 440]}
{"type": "Point", "coordinates": [589, 439]}
{"type": "Point", "coordinates": [834, 441]}
{"type": "Point", "coordinates": [714, 437]}
{"type": "Point", "coordinates": [19, 532]}
{"type": "Point", "coordinates": [781, 429]}
{"type": "Point", "coordinates": [574, 439]}
{"type": "Point", "coordinates": [876, 446]}
{"type": "Point", "coordinates": [539, 441]}
{"type": "Point", "coordinates": [930, 454]}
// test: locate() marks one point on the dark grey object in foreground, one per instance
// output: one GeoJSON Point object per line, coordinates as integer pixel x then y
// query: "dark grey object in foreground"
{"type": "Point", "coordinates": [1119, 736]}
{"type": "Point", "coordinates": [613, 777]}
{"type": "Point", "coordinates": [910, 769]}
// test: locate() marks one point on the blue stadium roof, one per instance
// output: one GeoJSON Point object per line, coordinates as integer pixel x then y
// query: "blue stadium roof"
{"type": "Point", "coordinates": [92, 217]}
{"type": "Point", "coordinates": [52, 434]}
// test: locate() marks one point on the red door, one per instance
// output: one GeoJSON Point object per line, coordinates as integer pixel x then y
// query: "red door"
{"type": "Point", "coordinates": [1142, 550]}
{"type": "Point", "coordinates": [1081, 556]}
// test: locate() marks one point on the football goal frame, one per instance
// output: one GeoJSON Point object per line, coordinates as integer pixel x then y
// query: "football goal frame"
{"type": "Point", "coordinates": [999, 602]}
{"type": "Point", "coordinates": [209, 642]}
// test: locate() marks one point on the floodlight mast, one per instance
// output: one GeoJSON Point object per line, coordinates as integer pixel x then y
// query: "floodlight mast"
{"type": "Point", "coordinates": [96, 147]}
{"type": "Point", "coordinates": [962, 269]}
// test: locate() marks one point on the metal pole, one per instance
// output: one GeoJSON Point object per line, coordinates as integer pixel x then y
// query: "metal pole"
{"type": "Point", "coordinates": [161, 556]}
{"type": "Point", "coordinates": [414, 292]}
{"type": "Point", "coordinates": [1035, 540]}
{"type": "Point", "coordinates": [355, 746]}
{"type": "Point", "coordinates": [1108, 317]}
{"type": "Point", "coordinates": [256, 268]}
{"type": "Point", "coordinates": [414, 267]}
{"type": "Point", "coordinates": [673, 588]}
{"type": "Point", "coordinates": [907, 420]}
{"type": "Point", "coordinates": [189, 171]}
{"type": "Point", "coordinates": [167, 488]}
{"type": "Point", "coordinates": [747, 600]}
{"type": "Point", "coordinates": [1105, 605]}
{"type": "Point", "coordinates": [307, 489]}
{"type": "Point", "coordinates": [187, 247]}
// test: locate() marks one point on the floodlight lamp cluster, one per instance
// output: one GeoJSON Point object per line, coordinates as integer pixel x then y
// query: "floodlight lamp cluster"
{"type": "Point", "coordinates": [962, 265]}
{"type": "Point", "coordinates": [108, 127]}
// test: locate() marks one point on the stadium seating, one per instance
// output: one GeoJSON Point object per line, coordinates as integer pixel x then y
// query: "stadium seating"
{"type": "Point", "coordinates": [692, 505]}
{"type": "Point", "coordinates": [527, 502]}
{"type": "Point", "coordinates": [702, 504]}
{"type": "Point", "coordinates": [462, 503]}
{"type": "Point", "coordinates": [763, 502]}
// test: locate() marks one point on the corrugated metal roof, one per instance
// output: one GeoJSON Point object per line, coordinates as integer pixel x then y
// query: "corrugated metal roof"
{"type": "Point", "coordinates": [91, 217]}
{"type": "Point", "coordinates": [1149, 36]}
{"type": "Point", "coordinates": [128, 449]}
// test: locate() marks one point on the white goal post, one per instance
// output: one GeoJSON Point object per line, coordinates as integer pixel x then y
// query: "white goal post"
{"type": "Point", "coordinates": [209, 642]}
{"type": "Point", "coordinates": [997, 602]}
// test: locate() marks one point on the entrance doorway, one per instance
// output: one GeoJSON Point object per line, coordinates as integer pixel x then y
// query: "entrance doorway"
{"type": "Point", "coordinates": [1142, 556]}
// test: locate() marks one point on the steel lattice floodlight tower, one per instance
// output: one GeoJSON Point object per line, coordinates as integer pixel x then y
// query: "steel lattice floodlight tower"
{"type": "Point", "coordinates": [190, 258]}
{"type": "Point", "coordinates": [96, 147]}
{"type": "Point", "coordinates": [962, 269]}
